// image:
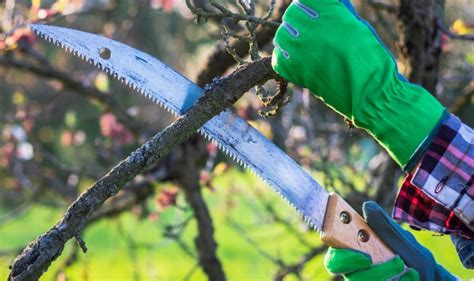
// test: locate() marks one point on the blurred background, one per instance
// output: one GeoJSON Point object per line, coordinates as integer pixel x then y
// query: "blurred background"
{"type": "Point", "coordinates": [196, 215]}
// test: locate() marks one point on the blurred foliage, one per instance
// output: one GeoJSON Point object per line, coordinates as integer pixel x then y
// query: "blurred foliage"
{"type": "Point", "coordinates": [154, 257]}
{"type": "Point", "coordinates": [56, 141]}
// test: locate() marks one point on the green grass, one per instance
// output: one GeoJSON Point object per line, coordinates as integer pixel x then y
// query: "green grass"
{"type": "Point", "coordinates": [159, 258]}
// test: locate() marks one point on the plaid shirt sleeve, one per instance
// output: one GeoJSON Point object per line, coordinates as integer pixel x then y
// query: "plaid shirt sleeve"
{"type": "Point", "coordinates": [438, 193]}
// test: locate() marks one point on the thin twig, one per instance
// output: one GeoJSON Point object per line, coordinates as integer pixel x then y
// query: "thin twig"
{"type": "Point", "coordinates": [200, 13]}
{"type": "Point", "coordinates": [254, 244]}
{"type": "Point", "coordinates": [270, 10]}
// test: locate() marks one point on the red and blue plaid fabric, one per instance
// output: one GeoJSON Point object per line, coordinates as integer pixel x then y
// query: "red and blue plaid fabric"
{"type": "Point", "coordinates": [438, 193]}
{"type": "Point", "coordinates": [420, 211]}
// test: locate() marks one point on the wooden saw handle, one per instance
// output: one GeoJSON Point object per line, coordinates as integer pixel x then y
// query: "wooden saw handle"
{"type": "Point", "coordinates": [345, 228]}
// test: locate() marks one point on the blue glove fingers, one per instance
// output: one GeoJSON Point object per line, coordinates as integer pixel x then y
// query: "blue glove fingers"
{"type": "Point", "coordinates": [403, 243]}
{"type": "Point", "coordinates": [410, 275]}
{"type": "Point", "coordinates": [465, 249]}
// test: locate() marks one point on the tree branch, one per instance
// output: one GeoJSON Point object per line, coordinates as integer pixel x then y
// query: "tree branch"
{"type": "Point", "coordinates": [40, 253]}
{"type": "Point", "coordinates": [420, 40]}
{"type": "Point", "coordinates": [297, 267]}
{"type": "Point", "coordinates": [188, 179]}
{"type": "Point", "coordinates": [49, 72]}
{"type": "Point", "coordinates": [220, 60]}
{"type": "Point", "coordinates": [379, 5]}
{"type": "Point", "coordinates": [461, 101]}
{"type": "Point", "coordinates": [224, 13]}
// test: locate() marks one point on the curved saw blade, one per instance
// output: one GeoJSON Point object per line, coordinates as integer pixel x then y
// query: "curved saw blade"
{"type": "Point", "coordinates": [232, 134]}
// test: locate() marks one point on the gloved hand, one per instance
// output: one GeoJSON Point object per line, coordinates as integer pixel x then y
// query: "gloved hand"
{"type": "Point", "coordinates": [357, 266]}
{"type": "Point", "coordinates": [414, 262]}
{"type": "Point", "coordinates": [323, 45]}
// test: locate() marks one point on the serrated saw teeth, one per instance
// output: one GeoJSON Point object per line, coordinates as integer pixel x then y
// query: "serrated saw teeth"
{"type": "Point", "coordinates": [103, 68]}
{"type": "Point", "coordinates": [176, 94]}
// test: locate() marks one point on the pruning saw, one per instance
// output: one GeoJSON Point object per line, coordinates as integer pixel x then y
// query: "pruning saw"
{"type": "Point", "coordinates": [338, 224]}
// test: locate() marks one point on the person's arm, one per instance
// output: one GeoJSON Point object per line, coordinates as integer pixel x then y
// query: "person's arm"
{"type": "Point", "coordinates": [324, 46]}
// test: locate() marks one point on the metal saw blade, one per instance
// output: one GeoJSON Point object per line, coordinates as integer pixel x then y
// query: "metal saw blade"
{"type": "Point", "coordinates": [170, 89]}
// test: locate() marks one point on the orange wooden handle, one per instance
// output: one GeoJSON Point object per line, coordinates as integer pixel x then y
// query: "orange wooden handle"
{"type": "Point", "coordinates": [345, 228]}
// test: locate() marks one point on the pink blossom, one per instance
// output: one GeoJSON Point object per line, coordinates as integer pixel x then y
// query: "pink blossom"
{"type": "Point", "coordinates": [67, 137]}
{"type": "Point", "coordinates": [111, 128]}
{"type": "Point", "coordinates": [6, 152]}
{"type": "Point", "coordinates": [167, 197]}
{"type": "Point", "coordinates": [166, 5]}
{"type": "Point", "coordinates": [153, 217]}
{"type": "Point", "coordinates": [211, 148]}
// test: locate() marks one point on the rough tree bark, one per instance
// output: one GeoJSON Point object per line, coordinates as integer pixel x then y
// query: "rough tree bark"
{"type": "Point", "coordinates": [420, 40]}
{"type": "Point", "coordinates": [40, 253]}
{"type": "Point", "coordinates": [188, 178]}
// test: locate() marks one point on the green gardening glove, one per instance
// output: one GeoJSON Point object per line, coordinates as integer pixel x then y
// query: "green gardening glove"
{"type": "Point", "coordinates": [357, 266]}
{"type": "Point", "coordinates": [413, 261]}
{"type": "Point", "coordinates": [324, 46]}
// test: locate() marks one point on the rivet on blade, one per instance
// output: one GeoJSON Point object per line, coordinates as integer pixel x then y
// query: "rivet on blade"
{"type": "Point", "coordinates": [105, 53]}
